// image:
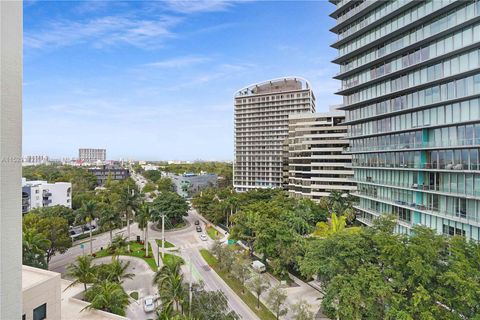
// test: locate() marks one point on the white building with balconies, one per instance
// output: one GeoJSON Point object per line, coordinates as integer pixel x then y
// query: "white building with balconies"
{"type": "Point", "coordinates": [40, 194]}
{"type": "Point", "coordinates": [261, 127]}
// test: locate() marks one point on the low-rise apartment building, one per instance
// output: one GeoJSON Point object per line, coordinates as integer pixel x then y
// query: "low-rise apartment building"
{"type": "Point", "coordinates": [314, 161]}
{"type": "Point", "coordinates": [39, 194]}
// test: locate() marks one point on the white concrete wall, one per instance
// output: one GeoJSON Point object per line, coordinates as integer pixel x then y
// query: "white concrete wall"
{"type": "Point", "coordinates": [11, 28]}
{"type": "Point", "coordinates": [60, 194]}
{"type": "Point", "coordinates": [45, 288]}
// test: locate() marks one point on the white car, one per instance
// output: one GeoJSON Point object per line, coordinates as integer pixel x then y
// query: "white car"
{"type": "Point", "coordinates": [148, 304]}
{"type": "Point", "coordinates": [203, 237]}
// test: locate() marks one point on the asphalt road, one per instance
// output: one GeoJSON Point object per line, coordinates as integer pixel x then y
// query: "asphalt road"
{"type": "Point", "coordinates": [189, 243]}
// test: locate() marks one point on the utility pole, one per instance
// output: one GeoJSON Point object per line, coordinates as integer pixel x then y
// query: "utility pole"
{"type": "Point", "coordinates": [163, 236]}
{"type": "Point", "coordinates": [128, 219]}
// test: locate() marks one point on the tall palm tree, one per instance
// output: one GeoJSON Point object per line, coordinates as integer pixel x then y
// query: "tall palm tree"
{"type": "Point", "coordinates": [169, 280]}
{"type": "Point", "coordinates": [118, 270]}
{"type": "Point", "coordinates": [143, 216]}
{"type": "Point", "coordinates": [87, 213]}
{"type": "Point", "coordinates": [108, 296]}
{"type": "Point", "coordinates": [109, 220]}
{"type": "Point", "coordinates": [83, 271]}
{"type": "Point", "coordinates": [128, 204]}
{"type": "Point", "coordinates": [232, 202]}
{"type": "Point", "coordinates": [35, 246]}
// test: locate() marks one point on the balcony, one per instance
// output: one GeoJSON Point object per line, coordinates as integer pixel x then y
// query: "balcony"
{"type": "Point", "coordinates": [432, 189]}
{"type": "Point", "coordinates": [417, 145]}
{"type": "Point", "coordinates": [435, 166]}
{"type": "Point", "coordinates": [460, 214]}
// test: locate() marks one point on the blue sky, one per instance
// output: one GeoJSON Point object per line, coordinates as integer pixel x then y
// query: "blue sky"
{"type": "Point", "coordinates": [155, 80]}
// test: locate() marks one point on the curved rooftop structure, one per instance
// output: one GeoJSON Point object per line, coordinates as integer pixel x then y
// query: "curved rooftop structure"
{"type": "Point", "coordinates": [273, 86]}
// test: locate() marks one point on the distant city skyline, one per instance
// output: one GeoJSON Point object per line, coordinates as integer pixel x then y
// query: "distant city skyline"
{"type": "Point", "coordinates": [155, 80]}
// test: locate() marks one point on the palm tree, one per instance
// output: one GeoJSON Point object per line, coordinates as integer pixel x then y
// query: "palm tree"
{"type": "Point", "coordinates": [118, 243]}
{"type": "Point", "coordinates": [118, 270]}
{"type": "Point", "coordinates": [109, 220]}
{"type": "Point", "coordinates": [87, 213]}
{"type": "Point", "coordinates": [232, 202]}
{"type": "Point", "coordinates": [169, 280]}
{"type": "Point", "coordinates": [143, 216]}
{"type": "Point", "coordinates": [35, 246]}
{"type": "Point", "coordinates": [334, 225]}
{"type": "Point", "coordinates": [109, 297]}
{"type": "Point", "coordinates": [83, 271]}
{"type": "Point", "coordinates": [128, 204]}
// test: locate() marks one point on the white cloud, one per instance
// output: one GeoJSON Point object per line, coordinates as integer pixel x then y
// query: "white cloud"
{"type": "Point", "coordinates": [179, 62]}
{"type": "Point", "coordinates": [194, 6]}
{"type": "Point", "coordinates": [104, 31]}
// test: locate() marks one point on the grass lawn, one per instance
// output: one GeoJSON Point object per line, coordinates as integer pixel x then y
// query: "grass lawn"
{"type": "Point", "coordinates": [263, 313]}
{"type": "Point", "coordinates": [136, 251]}
{"type": "Point", "coordinates": [167, 244]}
{"type": "Point", "coordinates": [212, 233]}
{"type": "Point", "coordinates": [134, 295]}
{"type": "Point", "coordinates": [170, 258]}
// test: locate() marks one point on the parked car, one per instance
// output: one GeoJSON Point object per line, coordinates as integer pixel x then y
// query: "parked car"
{"type": "Point", "coordinates": [199, 229]}
{"type": "Point", "coordinates": [258, 266]}
{"type": "Point", "coordinates": [197, 222]}
{"type": "Point", "coordinates": [148, 304]}
{"type": "Point", "coordinates": [203, 237]}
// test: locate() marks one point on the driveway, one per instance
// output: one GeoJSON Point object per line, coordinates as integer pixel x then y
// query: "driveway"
{"type": "Point", "coordinates": [141, 283]}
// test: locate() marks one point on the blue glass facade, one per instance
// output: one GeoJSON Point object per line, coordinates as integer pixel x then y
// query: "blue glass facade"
{"type": "Point", "coordinates": [410, 80]}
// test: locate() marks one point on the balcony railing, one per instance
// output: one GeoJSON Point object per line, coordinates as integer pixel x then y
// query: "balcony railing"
{"type": "Point", "coordinates": [418, 145]}
{"type": "Point", "coordinates": [459, 215]}
{"type": "Point", "coordinates": [427, 166]}
{"type": "Point", "coordinates": [416, 187]}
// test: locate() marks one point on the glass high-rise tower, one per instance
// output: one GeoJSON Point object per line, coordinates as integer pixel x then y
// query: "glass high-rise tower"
{"type": "Point", "coordinates": [410, 80]}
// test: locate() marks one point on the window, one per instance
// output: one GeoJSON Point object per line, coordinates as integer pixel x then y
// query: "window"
{"type": "Point", "coordinates": [40, 313]}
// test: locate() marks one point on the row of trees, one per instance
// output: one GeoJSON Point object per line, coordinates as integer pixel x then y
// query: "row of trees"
{"type": "Point", "coordinates": [176, 304]}
{"type": "Point", "coordinates": [157, 182]}
{"type": "Point", "coordinates": [223, 169]}
{"type": "Point", "coordinates": [378, 274]}
{"type": "Point", "coordinates": [237, 265]}
{"type": "Point", "coordinates": [268, 221]}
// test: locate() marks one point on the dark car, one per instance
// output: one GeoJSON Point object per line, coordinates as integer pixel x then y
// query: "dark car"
{"type": "Point", "coordinates": [197, 223]}
{"type": "Point", "coordinates": [199, 229]}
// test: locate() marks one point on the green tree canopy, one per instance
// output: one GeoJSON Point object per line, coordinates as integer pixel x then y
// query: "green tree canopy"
{"type": "Point", "coordinates": [170, 204]}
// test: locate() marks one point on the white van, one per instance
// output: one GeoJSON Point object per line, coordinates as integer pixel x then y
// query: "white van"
{"type": "Point", "coordinates": [258, 266]}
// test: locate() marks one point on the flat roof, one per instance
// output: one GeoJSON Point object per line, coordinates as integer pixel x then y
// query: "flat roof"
{"type": "Point", "coordinates": [34, 276]}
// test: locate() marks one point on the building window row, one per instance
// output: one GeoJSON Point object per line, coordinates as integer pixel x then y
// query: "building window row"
{"type": "Point", "coordinates": [463, 14]}
{"type": "Point", "coordinates": [453, 136]}
{"type": "Point", "coordinates": [458, 159]}
{"type": "Point", "coordinates": [468, 110]}
{"type": "Point", "coordinates": [424, 8]}
{"type": "Point", "coordinates": [456, 41]}
{"type": "Point", "coordinates": [452, 66]}
{"type": "Point", "coordinates": [381, 11]}
{"type": "Point", "coordinates": [447, 206]}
